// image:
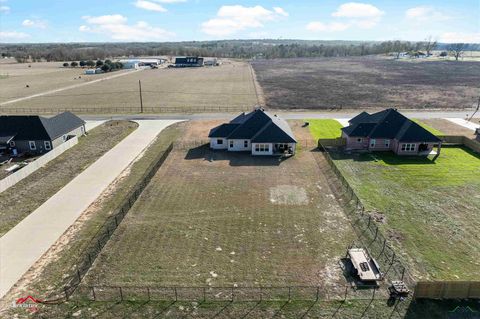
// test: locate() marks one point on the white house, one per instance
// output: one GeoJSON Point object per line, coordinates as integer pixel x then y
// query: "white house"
{"type": "Point", "coordinates": [257, 132]}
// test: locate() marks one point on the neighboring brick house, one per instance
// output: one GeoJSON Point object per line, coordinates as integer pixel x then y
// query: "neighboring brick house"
{"type": "Point", "coordinates": [389, 130]}
{"type": "Point", "coordinates": [36, 134]}
{"type": "Point", "coordinates": [257, 132]}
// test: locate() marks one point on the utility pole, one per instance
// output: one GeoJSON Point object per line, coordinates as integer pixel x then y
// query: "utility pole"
{"type": "Point", "coordinates": [476, 110]}
{"type": "Point", "coordinates": [141, 99]}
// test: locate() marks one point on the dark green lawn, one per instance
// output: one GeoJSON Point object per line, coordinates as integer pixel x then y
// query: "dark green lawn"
{"type": "Point", "coordinates": [431, 208]}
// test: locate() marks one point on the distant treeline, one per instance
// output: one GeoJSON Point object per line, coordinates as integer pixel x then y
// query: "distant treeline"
{"type": "Point", "coordinates": [245, 49]}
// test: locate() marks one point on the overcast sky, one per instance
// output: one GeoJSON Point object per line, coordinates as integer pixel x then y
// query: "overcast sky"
{"type": "Point", "coordinates": [180, 20]}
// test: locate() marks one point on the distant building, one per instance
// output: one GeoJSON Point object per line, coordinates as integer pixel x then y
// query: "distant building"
{"type": "Point", "coordinates": [210, 62]}
{"type": "Point", "coordinates": [257, 132]}
{"type": "Point", "coordinates": [37, 134]}
{"type": "Point", "coordinates": [389, 130]}
{"type": "Point", "coordinates": [189, 61]}
{"type": "Point", "coordinates": [137, 63]}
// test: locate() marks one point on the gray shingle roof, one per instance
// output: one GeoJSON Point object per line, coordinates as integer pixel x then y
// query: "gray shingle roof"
{"type": "Point", "coordinates": [34, 127]}
{"type": "Point", "coordinates": [258, 126]}
{"type": "Point", "coordinates": [388, 124]}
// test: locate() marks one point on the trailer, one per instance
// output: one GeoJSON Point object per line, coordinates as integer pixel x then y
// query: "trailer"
{"type": "Point", "coordinates": [365, 266]}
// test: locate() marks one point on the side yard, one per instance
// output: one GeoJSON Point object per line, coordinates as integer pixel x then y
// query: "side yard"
{"type": "Point", "coordinates": [27, 195]}
{"type": "Point", "coordinates": [429, 209]}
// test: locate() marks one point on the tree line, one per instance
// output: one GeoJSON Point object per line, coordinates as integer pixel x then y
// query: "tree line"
{"type": "Point", "coordinates": [106, 65]}
{"type": "Point", "coordinates": [245, 49]}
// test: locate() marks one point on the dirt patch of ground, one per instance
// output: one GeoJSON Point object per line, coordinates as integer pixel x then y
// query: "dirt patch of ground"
{"type": "Point", "coordinates": [366, 82]}
{"type": "Point", "coordinates": [288, 195]}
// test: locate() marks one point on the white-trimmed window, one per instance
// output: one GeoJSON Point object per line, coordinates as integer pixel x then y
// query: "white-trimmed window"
{"type": "Point", "coordinates": [373, 142]}
{"type": "Point", "coordinates": [32, 145]}
{"type": "Point", "coordinates": [12, 143]}
{"type": "Point", "coordinates": [231, 144]}
{"type": "Point", "coordinates": [408, 147]}
{"type": "Point", "coordinates": [245, 144]}
{"type": "Point", "coordinates": [48, 145]}
{"type": "Point", "coordinates": [262, 148]}
{"type": "Point", "coordinates": [387, 143]}
{"type": "Point", "coordinates": [219, 141]}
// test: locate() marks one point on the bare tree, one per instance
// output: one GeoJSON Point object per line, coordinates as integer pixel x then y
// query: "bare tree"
{"type": "Point", "coordinates": [457, 49]}
{"type": "Point", "coordinates": [429, 45]}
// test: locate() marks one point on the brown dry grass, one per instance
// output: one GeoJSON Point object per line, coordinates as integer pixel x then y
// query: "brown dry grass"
{"type": "Point", "coordinates": [449, 128]}
{"type": "Point", "coordinates": [367, 82]}
{"type": "Point", "coordinates": [208, 218]}
{"type": "Point", "coordinates": [229, 85]}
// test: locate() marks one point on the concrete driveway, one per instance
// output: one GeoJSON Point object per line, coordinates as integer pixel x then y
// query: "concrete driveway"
{"type": "Point", "coordinates": [24, 244]}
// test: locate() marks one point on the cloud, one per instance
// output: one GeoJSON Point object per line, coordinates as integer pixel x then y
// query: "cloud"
{"type": "Point", "coordinates": [169, 1]}
{"type": "Point", "coordinates": [4, 9]}
{"type": "Point", "coordinates": [459, 37]}
{"type": "Point", "coordinates": [40, 24]}
{"type": "Point", "coordinates": [232, 19]}
{"type": "Point", "coordinates": [352, 14]}
{"type": "Point", "coordinates": [357, 10]}
{"type": "Point", "coordinates": [425, 13]}
{"type": "Point", "coordinates": [327, 27]}
{"type": "Point", "coordinates": [115, 26]}
{"type": "Point", "coordinates": [12, 36]}
{"type": "Point", "coordinates": [150, 6]}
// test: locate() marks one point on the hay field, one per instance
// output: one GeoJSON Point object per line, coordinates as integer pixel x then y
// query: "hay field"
{"type": "Point", "coordinates": [367, 82]}
{"type": "Point", "coordinates": [222, 219]}
{"type": "Point", "coordinates": [230, 85]}
{"type": "Point", "coordinates": [40, 77]}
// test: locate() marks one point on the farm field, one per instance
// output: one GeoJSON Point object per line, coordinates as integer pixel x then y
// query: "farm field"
{"type": "Point", "coordinates": [20, 200]}
{"type": "Point", "coordinates": [222, 219]}
{"type": "Point", "coordinates": [227, 87]}
{"type": "Point", "coordinates": [40, 77]}
{"type": "Point", "coordinates": [429, 209]}
{"type": "Point", "coordinates": [367, 82]}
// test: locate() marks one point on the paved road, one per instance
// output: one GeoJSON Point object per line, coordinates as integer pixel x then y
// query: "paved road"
{"type": "Point", "coordinates": [23, 245]}
{"type": "Point", "coordinates": [67, 87]}
{"type": "Point", "coordinates": [90, 125]}
{"type": "Point", "coordinates": [285, 115]}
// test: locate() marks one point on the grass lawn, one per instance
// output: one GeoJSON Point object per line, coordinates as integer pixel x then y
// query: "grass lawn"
{"type": "Point", "coordinates": [429, 128]}
{"type": "Point", "coordinates": [431, 208]}
{"type": "Point", "coordinates": [217, 218]}
{"type": "Point", "coordinates": [324, 128]}
{"type": "Point", "coordinates": [27, 195]}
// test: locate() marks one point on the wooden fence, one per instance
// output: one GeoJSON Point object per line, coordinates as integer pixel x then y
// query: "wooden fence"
{"type": "Point", "coordinates": [461, 140]}
{"type": "Point", "coordinates": [447, 290]}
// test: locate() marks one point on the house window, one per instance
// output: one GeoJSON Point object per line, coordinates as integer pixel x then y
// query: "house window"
{"type": "Point", "coordinates": [245, 144]}
{"type": "Point", "coordinates": [387, 143]}
{"type": "Point", "coordinates": [408, 147]}
{"type": "Point", "coordinates": [262, 148]}
{"type": "Point", "coordinates": [373, 142]}
{"type": "Point", "coordinates": [48, 145]}
{"type": "Point", "coordinates": [32, 145]}
{"type": "Point", "coordinates": [231, 144]}
{"type": "Point", "coordinates": [12, 143]}
{"type": "Point", "coordinates": [219, 141]}
{"type": "Point", "coordinates": [359, 140]}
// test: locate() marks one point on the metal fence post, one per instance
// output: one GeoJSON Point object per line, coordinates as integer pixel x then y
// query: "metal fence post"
{"type": "Point", "coordinates": [148, 293]}
{"type": "Point", "coordinates": [121, 293]}
{"type": "Point", "coordinates": [318, 293]}
{"type": "Point", "coordinates": [176, 295]}
{"type": "Point", "coordinates": [93, 293]}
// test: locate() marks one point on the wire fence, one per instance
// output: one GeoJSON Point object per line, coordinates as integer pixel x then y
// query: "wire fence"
{"type": "Point", "coordinates": [370, 235]}
{"type": "Point", "coordinates": [127, 109]}
{"type": "Point", "coordinates": [100, 239]}
{"type": "Point", "coordinates": [209, 294]}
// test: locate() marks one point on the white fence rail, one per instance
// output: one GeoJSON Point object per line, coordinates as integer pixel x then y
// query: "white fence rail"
{"type": "Point", "coordinates": [16, 177]}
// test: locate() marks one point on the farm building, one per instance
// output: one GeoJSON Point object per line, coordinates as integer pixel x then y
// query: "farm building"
{"type": "Point", "coordinates": [189, 61]}
{"type": "Point", "coordinates": [36, 134]}
{"type": "Point", "coordinates": [136, 63]}
{"type": "Point", "coordinates": [389, 130]}
{"type": "Point", "coordinates": [257, 132]}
